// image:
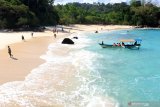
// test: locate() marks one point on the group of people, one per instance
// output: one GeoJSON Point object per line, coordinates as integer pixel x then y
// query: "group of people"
{"type": "Point", "coordinates": [23, 36]}
{"type": "Point", "coordinates": [118, 44]}
{"type": "Point", "coordinates": [55, 30]}
{"type": "Point", "coordinates": [23, 39]}
{"type": "Point", "coordinates": [9, 49]}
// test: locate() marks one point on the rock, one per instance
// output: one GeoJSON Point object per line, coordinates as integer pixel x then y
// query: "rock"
{"type": "Point", "coordinates": [96, 31]}
{"type": "Point", "coordinates": [67, 41]}
{"type": "Point", "coordinates": [75, 37]}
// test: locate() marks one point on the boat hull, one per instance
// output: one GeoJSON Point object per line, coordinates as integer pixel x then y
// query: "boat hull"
{"type": "Point", "coordinates": [125, 46]}
{"type": "Point", "coordinates": [109, 46]}
{"type": "Point", "coordinates": [137, 46]}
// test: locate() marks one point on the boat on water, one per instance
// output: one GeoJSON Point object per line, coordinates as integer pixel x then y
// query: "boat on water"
{"type": "Point", "coordinates": [124, 43]}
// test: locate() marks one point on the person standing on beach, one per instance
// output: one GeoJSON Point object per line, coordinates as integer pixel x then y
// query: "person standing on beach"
{"type": "Point", "coordinates": [54, 30]}
{"type": "Point", "coordinates": [22, 37]}
{"type": "Point", "coordinates": [32, 34]}
{"type": "Point", "coordinates": [10, 52]}
{"type": "Point", "coordinates": [55, 35]}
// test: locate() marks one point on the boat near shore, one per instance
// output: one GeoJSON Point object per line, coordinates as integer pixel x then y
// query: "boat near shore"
{"type": "Point", "coordinates": [124, 43]}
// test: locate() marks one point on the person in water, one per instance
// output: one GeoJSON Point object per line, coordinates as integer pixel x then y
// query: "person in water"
{"type": "Point", "coordinates": [10, 52]}
{"type": "Point", "coordinates": [114, 44]}
{"type": "Point", "coordinates": [135, 43]}
{"type": "Point", "coordinates": [123, 44]}
{"type": "Point", "coordinates": [119, 44]}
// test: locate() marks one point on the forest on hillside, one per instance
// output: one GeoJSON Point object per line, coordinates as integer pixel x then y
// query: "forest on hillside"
{"type": "Point", "coordinates": [27, 13]}
{"type": "Point", "coordinates": [35, 13]}
{"type": "Point", "coordinates": [136, 13]}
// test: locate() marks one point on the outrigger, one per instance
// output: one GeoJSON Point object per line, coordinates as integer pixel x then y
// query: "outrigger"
{"type": "Point", "coordinates": [124, 43]}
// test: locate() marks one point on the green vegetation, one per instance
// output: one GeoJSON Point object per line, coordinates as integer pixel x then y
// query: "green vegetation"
{"type": "Point", "coordinates": [34, 13]}
{"type": "Point", "coordinates": [137, 13]}
{"type": "Point", "coordinates": [27, 13]}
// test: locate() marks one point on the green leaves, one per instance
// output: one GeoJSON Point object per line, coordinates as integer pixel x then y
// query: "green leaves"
{"type": "Point", "coordinates": [146, 15]}
{"type": "Point", "coordinates": [138, 13]}
{"type": "Point", "coordinates": [19, 13]}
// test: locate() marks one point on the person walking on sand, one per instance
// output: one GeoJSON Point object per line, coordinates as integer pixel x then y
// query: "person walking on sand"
{"type": "Point", "coordinates": [22, 37]}
{"type": "Point", "coordinates": [10, 52]}
{"type": "Point", "coordinates": [32, 34]}
{"type": "Point", "coordinates": [55, 35]}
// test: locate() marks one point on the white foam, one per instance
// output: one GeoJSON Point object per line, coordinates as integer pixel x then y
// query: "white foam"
{"type": "Point", "coordinates": [101, 102]}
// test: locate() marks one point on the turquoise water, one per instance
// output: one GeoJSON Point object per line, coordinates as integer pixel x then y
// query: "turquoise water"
{"type": "Point", "coordinates": [129, 75]}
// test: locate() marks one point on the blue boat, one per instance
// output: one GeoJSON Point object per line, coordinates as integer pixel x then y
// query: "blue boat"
{"type": "Point", "coordinates": [124, 43]}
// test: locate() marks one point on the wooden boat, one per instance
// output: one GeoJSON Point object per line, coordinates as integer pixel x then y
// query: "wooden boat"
{"type": "Point", "coordinates": [109, 46]}
{"type": "Point", "coordinates": [125, 43]}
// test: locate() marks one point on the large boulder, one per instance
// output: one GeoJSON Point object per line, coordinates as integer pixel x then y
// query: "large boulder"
{"type": "Point", "coordinates": [67, 41]}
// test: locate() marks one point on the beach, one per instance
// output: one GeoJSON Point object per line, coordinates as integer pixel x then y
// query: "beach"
{"type": "Point", "coordinates": [27, 54]}
{"type": "Point", "coordinates": [43, 72]}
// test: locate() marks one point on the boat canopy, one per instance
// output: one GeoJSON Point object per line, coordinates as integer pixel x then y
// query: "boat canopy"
{"type": "Point", "coordinates": [127, 40]}
{"type": "Point", "coordinates": [130, 40]}
{"type": "Point", "coordinates": [138, 40]}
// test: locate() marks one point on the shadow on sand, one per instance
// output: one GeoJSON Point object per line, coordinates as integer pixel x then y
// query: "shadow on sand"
{"type": "Point", "coordinates": [14, 58]}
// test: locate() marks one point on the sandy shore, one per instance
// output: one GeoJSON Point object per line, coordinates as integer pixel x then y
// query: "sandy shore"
{"type": "Point", "coordinates": [27, 54]}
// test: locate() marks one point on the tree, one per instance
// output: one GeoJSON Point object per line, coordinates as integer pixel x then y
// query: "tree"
{"type": "Point", "coordinates": [135, 3]}
{"type": "Point", "coordinates": [20, 13]}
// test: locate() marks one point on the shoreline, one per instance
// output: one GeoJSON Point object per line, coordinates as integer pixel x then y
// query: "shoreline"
{"type": "Point", "coordinates": [23, 60]}
{"type": "Point", "coordinates": [27, 54]}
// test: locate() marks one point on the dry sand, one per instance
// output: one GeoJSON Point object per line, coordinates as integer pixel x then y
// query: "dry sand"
{"type": "Point", "coordinates": [27, 54]}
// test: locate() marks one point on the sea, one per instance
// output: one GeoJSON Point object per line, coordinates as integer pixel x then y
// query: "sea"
{"type": "Point", "coordinates": [87, 75]}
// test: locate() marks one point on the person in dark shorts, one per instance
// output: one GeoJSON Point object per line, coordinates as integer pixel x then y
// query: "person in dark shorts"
{"type": "Point", "coordinates": [32, 34]}
{"type": "Point", "coordinates": [10, 52]}
{"type": "Point", "coordinates": [55, 35]}
{"type": "Point", "coordinates": [22, 37]}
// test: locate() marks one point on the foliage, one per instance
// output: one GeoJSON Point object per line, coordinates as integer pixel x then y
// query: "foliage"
{"type": "Point", "coordinates": [33, 13]}
{"type": "Point", "coordinates": [27, 13]}
{"type": "Point", "coordinates": [137, 13]}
